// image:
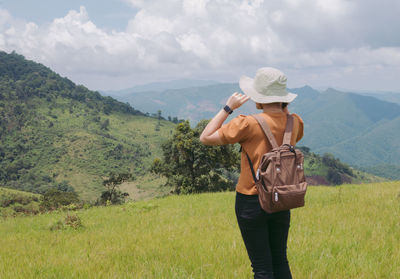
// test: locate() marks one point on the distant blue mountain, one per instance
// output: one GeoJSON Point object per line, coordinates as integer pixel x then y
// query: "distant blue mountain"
{"type": "Point", "coordinates": [161, 86]}
{"type": "Point", "coordinates": [393, 97]}
{"type": "Point", "coordinates": [360, 130]}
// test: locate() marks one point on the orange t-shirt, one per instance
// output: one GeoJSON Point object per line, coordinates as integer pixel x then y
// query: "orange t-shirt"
{"type": "Point", "coordinates": [246, 131]}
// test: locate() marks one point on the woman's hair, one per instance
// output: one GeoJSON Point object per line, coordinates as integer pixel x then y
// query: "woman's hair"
{"type": "Point", "coordinates": [259, 105]}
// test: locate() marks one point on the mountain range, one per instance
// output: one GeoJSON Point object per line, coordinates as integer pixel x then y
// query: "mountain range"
{"type": "Point", "coordinates": [160, 86]}
{"type": "Point", "coordinates": [361, 130]}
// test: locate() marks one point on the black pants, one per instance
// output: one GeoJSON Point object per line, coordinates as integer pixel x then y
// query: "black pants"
{"type": "Point", "coordinates": [265, 237]}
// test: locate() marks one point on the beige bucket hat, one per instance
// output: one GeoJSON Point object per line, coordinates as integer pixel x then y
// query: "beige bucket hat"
{"type": "Point", "coordinates": [268, 86]}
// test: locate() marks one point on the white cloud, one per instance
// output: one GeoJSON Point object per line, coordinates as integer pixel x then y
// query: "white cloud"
{"type": "Point", "coordinates": [251, 6]}
{"type": "Point", "coordinates": [195, 7]}
{"type": "Point", "coordinates": [214, 39]}
{"type": "Point", "coordinates": [193, 42]}
{"type": "Point", "coordinates": [136, 3]}
{"type": "Point", "coordinates": [148, 25]}
{"type": "Point", "coordinates": [333, 7]}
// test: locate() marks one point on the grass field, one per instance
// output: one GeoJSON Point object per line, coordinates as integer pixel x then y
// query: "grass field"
{"type": "Point", "coordinates": [350, 231]}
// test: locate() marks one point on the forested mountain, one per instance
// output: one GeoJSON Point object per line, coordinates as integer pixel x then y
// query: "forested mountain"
{"type": "Point", "coordinates": [360, 130]}
{"type": "Point", "coordinates": [54, 133]}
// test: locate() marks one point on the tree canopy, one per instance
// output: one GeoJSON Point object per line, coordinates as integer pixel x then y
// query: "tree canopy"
{"type": "Point", "coordinates": [192, 167]}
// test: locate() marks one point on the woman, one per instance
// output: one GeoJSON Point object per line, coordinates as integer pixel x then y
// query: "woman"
{"type": "Point", "coordinates": [265, 235]}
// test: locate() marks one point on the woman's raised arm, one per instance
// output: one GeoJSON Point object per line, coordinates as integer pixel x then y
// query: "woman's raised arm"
{"type": "Point", "coordinates": [210, 135]}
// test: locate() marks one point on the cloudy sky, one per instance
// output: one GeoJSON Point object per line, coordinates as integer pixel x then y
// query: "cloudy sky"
{"type": "Point", "coordinates": [349, 44]}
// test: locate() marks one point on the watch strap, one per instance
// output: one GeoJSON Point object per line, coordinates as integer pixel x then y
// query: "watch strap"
{"type": "Point", "coordinates": [228, 109]}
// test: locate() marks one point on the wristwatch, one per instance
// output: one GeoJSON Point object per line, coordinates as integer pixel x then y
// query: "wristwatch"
{"type": "Point", "coordinates": [228, 109]}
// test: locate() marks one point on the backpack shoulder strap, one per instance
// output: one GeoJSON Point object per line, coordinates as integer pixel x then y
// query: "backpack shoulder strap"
{"type": "Point", "coordinates": [266, 129]}
{"type": "Point", "coordinates": [250, 164]}
{"type": "Point", "coordinates": [288, 130]}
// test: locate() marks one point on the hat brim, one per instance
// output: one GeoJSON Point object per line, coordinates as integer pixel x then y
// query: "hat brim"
{"type": "Point", "coordinates": [246, 84]}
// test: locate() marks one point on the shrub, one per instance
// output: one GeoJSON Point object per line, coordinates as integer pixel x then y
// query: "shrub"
{"type": "Point", "coordinates": [73, 221]}
{"type": "Point", "coordinates": [334, 177]}
{"type": "Point", "coordinates": [53, 199]}
{"type": "Point", "coordinates": [70, 221]}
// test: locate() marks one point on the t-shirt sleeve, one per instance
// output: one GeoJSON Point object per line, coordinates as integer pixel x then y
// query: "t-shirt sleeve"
{"type": "Point", "coordinates": [235, 130]}
{"type": "Point", "coordinates": [300, 130]}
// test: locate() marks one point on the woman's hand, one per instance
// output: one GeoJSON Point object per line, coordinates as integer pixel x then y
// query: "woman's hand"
{"type": "Point", "coordinates": [236, 100]}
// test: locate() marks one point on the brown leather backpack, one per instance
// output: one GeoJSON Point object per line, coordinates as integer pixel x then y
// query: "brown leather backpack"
{"type": "Point", "coordinates": [280, 179]}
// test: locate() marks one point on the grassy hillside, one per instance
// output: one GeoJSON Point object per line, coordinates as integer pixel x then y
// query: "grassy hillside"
{"type": "Point", "coordinates": [350, 231]}
{"type": "Point", "coordinates": [328, 170]}
{"type": "Point", "coordinates": [58, 134]}
{"type": "Point", "coordinates": [14, 202]}
{"type": "Point", "coordinates": [76, 150]}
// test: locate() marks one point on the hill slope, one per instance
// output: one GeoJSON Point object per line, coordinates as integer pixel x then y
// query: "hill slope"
{"type": "Point", "coordinates": [350, 231]}
{"type": "Point", "coordinates": [328, 170]}
{"type": "Point", "coordinates": [392, 97]}
{"type": "Point", "coordinates": [57, 134]}
{"type": "Point", "coordinates": [353, 127]}
{"type": "Point", "coordinates": [14, 202]}
{"type": "Point", "coordinates": [333, 116]}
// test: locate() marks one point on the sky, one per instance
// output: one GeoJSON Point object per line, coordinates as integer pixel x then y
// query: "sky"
{"type": "Point", "coordinates": [117, 44]}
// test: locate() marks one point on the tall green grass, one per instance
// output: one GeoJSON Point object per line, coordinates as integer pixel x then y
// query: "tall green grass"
{"type": "Point", "coordinates": [350, 231]}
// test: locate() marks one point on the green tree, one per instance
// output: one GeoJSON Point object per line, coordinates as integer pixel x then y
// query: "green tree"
{"type": "Point", "coordinates": [329, 160]}
{"type": "Point", "coordinates": [192, 167]}
{"type": "Point", "coordinates": [304, 149]}
{"type": "Point", "coordinates": [112, 194]}
{"type": "Point", "coordinates": [334, 177]}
